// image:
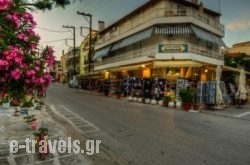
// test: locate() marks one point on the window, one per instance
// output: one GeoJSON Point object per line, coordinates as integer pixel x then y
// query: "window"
{"type": "Point", "coordinates": [209, 45]}
{"type": "Point", "coordinates": [181, 11]}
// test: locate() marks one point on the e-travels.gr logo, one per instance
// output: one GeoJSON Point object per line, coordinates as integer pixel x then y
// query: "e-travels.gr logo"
{"type": "Point", "coordinates": [53, 146]}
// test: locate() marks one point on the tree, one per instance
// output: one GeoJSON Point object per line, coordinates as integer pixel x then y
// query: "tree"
{"type": "Point", "coordinates": [45, 4]}
{"type": "Point", "coordinates": [21, 67]}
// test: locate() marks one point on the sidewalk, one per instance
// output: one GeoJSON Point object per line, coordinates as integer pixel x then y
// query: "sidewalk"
{"type": "Point", "coordinates": [241, 112]}
{"type": "Point", "coordinates": [15, 128]}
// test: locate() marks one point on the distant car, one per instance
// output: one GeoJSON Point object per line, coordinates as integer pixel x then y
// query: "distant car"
{"type": "Point", "coordinates": [73, 84]}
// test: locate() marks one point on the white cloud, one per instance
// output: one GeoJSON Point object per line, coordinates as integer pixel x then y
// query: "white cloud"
{"type": "Point", "coordinates": [238, 25]}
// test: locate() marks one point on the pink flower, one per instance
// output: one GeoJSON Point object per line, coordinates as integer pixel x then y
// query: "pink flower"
{"type": "Point", "coordinates": [15, 74]}
{"type": "Point", "coordinates": [27, 81]}
{"type": "Point", "coordinates": [30, 73]}
{"type": "Point", "coordinates": [4, 64]}
{"type": "Point", "coordinates": [4, 4]}
{"type": "Point", "coordinates": [37, 68]}
{"type": "Point", "coordinates": [18, 60]}
{"type": "Point", "coordinates": [32, 46]}
{"type": "Point", "coordinates": [3, 79]}
{"type": "Point", "coordinates": [23, 37]}
{"type": "Point", "coordinates": [15, 18]}
{"type": "Point", "coordinates": [29, 18]}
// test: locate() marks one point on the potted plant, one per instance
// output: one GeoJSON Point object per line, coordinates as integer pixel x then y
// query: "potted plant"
{"type": "Point", "coordinates": [29, 118]}
{"type": "Point", "coordinates": [31, 121]}
{"type": "Point", "coordinates": [166, 100]}
{"type": "Point", "coordinates": [27, 104]}
{"type": "Point", "coordinates": [187, 98]}
{"type": "Point", "coordinates": [43, 130]}
{"type": "Point", "coordinates": [15, 102]}
{"type": "Point", "coordinates": [6, 102]}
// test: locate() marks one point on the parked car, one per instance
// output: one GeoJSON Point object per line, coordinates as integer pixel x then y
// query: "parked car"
{"type": "Point", "coordinates": [73, 84]}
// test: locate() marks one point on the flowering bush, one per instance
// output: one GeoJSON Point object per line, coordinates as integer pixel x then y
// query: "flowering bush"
{"type": "Point", "coordinates": [21, 67]}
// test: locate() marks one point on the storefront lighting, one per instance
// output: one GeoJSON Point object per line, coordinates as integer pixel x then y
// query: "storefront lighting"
{"type": "Point", "coordinates": [206, 70]}
{"type": "Point", "coordinates": [143, 66]}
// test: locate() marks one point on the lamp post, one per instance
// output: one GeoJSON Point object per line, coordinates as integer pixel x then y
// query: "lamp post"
{"type": "Point", "coordinates": [74, 47]}
{"type": "Point", "coordinates": [90, 37]}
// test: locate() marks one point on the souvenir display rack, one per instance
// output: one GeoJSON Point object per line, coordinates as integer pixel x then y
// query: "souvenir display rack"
{"type": "Point", "coordinates": [180, 84]}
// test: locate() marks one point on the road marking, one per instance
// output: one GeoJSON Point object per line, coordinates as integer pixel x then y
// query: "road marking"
{"type": "Point", "coordinates": [79, 122]}
{"type": "Point", "coordinates": [84, 120]}
{"type": "Point", "coordinates": [243, 114]}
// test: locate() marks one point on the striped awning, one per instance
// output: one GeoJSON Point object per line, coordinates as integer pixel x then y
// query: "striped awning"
{"type": "Point", "coordinates": [136, 37]}
{"type": "Point", "coordinates": [207, 36]}
{"type": "Point", "coordinates": [116, 46]}
{"type": "Point", "coordinates": [173, 29]}
{"type": "Point", "coordinates": [102, 52]}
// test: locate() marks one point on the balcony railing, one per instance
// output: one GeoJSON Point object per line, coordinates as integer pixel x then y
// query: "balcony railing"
{"type": "Point", "coordinates": [147, 51]}
{"type": "Point", "coordinates": [163, 13]}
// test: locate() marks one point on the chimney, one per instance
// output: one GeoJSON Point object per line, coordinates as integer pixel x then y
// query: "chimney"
{"type": "Point", "coordinates": [101, 25]}
{"type": "Point", "coordinates": [195, 2]}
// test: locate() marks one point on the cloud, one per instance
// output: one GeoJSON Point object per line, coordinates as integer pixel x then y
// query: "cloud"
{"type": "Point", "coordinates": [238, 25]}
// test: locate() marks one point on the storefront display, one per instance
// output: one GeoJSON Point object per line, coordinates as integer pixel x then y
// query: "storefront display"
{"type": "Point", "coordinates": [180, 84]}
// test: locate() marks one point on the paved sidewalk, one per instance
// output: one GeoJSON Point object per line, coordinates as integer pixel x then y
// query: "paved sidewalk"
{"type": "Point", "coordinates": [240, 112]}
{"type": "Point", "coordinates": [15, 128]}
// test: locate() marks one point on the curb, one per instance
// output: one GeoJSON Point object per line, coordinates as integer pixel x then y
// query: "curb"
{"type": "Point", "coordinates": [223, 115]}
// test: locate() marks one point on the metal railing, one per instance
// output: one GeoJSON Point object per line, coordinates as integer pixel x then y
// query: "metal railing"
{"type": "Point", "coordinates": [147, 51]}
{"type": "Point", "coordinates": [164, 13]}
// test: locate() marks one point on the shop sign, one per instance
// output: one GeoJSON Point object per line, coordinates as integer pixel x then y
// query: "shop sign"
{"type": "Point", "coordinates": [173, 48]}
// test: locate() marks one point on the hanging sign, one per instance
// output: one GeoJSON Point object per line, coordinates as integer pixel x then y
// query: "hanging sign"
{"type": "Point", "coordinates": [172, 48]}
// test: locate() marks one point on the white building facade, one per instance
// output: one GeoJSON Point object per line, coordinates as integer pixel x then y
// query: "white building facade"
{"type": "Point", "coordinates": [162, 38]}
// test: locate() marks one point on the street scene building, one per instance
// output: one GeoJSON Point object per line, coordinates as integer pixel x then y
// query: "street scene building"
{"type": "Point", "coordinates": [166, 39]}
{"type": "Point", "coordinates": [151, 83]}
{"type": "Point", "coordinates": [167, 44]}
{"type": "Point", "coordinates": [238, 48]}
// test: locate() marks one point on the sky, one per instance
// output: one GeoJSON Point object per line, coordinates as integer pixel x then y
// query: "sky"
{"type": "Point", "coordinates": [235, 17]}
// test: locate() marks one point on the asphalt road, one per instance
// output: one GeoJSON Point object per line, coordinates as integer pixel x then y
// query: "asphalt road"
{"type": "Point", "coordinates": [154, 135]}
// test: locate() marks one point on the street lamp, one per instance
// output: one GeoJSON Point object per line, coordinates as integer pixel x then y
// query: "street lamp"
{"type": "Point", "coordinates": [74, 47]}
{"type": "Point", "coordinates": [90, 36]}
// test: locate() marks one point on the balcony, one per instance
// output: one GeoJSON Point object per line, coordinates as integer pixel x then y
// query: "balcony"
{"type": "Point", "coordinates": [147, 51]}
{"type": "Point", "coordinates": [162, 15]}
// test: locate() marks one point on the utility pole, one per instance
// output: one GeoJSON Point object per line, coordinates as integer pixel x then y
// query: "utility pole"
{"type": "Point", "coordinates": [74, 47]}
{"type": "Point", "coordinates": [90, 37]}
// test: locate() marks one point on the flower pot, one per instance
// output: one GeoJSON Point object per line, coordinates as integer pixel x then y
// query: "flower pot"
{"type": "Point", "coordinates": [6, 105]}
{"type": "Point", "coordinates": [130, 98]}
{"type": "Point", "coordinates": [140, 100]}
{"type": "Point", "coordinates": [147, 101]}
{"type": "Point", "coordinates": [153, 101]}
{"type": "Point", "coordinates": [171, 104]}
{"type": "Point", "coordinates": [165, 104]}
{"type": "Point", "coordinates": [160, 102]}
{"type": "Point", "coordinates": [135, 99]}
{"type": "Point", "coordinates": [186, 106]}
{"type": "Point", "coordinates": [196, 106]}
{"type": "Point", "coordinates": [178, 105]}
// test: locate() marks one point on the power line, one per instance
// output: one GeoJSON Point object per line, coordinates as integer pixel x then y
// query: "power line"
{"type": "Point", "coordinates": [55, 31]}
{"type": "Point", "coordinates": [53, 41]}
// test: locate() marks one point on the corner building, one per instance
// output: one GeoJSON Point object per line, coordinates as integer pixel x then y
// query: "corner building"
{"type": "Point", "coordinates": [163, 38]}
